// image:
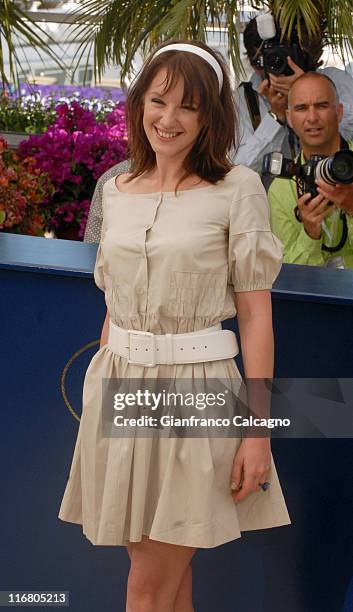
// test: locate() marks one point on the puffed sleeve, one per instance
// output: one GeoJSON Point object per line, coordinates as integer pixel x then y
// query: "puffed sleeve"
{"type": "Point", "coordinates": [255, 253]}
{"type": "Point", "coordinates": [99, 265]}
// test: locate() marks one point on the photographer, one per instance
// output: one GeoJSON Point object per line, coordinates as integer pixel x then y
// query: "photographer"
{"type": "Point", "coordinates": [318, 231]}
{"type": "Point", "coordinates": [262, 103]}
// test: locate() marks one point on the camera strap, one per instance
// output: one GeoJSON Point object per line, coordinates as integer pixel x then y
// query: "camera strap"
{"type": "Point", "coordinates": [334, 249]}
{"type": "Point", "coordinates": [292, 140]}
{"type": "Point", "coordinates": [252, 102]}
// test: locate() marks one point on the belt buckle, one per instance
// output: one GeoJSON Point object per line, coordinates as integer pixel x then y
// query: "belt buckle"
{"type": "Point", "coordinates": [134, 332]}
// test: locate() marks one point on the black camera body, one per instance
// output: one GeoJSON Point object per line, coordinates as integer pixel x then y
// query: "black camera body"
{"type": "Point", "coordinates": [273, 52]}
{"type": "Point", "coordinates": [335, 169]}
{"type": "Point", "coordinates": [274, 57]}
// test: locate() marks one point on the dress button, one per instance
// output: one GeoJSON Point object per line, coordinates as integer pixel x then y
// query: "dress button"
{"type": "Point", "coordinates": [140, 290]}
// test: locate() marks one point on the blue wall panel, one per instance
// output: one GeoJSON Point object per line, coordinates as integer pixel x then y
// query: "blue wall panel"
{"type": "Point", "coordinates": [50, 308]}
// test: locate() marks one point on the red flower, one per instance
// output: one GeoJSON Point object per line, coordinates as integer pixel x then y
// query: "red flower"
{"type": "Point", "coordinates": [22, 188]}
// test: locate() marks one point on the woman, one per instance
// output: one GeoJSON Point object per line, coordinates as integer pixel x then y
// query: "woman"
{"type": "Point", "coordinates": [185, 244]}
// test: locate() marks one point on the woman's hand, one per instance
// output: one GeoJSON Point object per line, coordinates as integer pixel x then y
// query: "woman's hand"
{"type": "Point", "coordinates": [253, 457]}
{"type": "Point", "coordinates": [251, 466]}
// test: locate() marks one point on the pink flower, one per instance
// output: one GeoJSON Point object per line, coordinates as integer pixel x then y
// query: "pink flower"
{"type": "Point", "coordinates": [75, 151]}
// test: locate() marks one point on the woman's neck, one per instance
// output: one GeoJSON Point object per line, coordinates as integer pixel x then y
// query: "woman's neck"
{"type": "Point", "coordinates": [166, 175]}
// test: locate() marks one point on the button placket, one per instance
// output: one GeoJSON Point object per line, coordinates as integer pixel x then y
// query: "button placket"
{"type": "Point", "coordinates": [148, 227]}
{"type": "Point", "coordinates": [157, 203]}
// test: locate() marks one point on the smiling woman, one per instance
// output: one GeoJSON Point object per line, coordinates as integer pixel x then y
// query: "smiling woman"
{"type": "Point", "coordinates": [178, 115]}
{"type": "Point", "coordinates": [169, 120]}
{"type": "Point", "coordinates": [185, 244]}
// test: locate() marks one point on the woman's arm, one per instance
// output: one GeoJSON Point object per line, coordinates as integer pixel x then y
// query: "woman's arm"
{"type": "Point", "coordinates": [253, 458]}
{"type": "Point", "coordinates": [254, 314]}
{"type": "Point", "coordinates": [105, 329]}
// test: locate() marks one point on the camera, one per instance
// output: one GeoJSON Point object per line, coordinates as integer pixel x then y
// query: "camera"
{"type": "Point", "coordinates": [272, 55]}
{"type": "Point", "coordinates": [274, 58]}
{"type": "Point", "coordinates": [337, 168]}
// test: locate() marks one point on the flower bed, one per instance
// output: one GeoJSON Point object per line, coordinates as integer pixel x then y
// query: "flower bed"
{"type": "Point", "coordinates": [76, 146]}
{"type": "Point", "coordinates": [75, 151]}
{"type": "Point", "coordinates": [25, 115]}
{"type": "Point", "coordinates": [59, 92]}
{"type": "Point", "coordinates": [23, 187]}
{"type": "Point", "coordinates": [32, 109]}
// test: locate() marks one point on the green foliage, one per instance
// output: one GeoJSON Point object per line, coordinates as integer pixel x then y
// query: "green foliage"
{"type": "Point", "coordinates": [117, 28]}
{"type": "Point", "coordinates": [19, 115]}
{"type": "Point", "coordinates": [16, 27]}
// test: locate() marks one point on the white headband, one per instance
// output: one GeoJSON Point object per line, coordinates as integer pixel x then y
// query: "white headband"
{"type": "Point", "coordinates": [197, 51]}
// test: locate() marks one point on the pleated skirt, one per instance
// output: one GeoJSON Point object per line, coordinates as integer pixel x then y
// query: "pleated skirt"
{"type": "Point", "coordinates": [174, 490]}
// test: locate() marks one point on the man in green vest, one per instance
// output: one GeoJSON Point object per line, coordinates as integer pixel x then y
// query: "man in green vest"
{"type": "Point", "coordinates": [312, 230]}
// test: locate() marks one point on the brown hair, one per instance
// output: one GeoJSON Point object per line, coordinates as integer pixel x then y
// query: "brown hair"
{"type": "Point", "coordinates": [208, 157]}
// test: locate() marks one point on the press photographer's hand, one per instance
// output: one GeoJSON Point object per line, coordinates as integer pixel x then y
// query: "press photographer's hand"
{"type": "Point", "coordinates": [340, 195]}
{"type": "Point", "coordinates": [277, 100]}
{"type": "Point", "coordinates": [283, 84]}
{"type": "Point", "coordinates": [313, 211]}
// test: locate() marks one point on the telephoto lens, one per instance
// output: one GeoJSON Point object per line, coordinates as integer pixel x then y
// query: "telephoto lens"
{"type": "Point", "coordinates": [337, 168]}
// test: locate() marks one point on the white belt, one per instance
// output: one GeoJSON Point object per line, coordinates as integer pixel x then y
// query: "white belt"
{"type": "Point", "coordinates": [147, 349]}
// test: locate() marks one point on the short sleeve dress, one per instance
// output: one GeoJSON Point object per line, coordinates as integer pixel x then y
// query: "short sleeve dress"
{"type": "Point", "coordinates": [171, 264]}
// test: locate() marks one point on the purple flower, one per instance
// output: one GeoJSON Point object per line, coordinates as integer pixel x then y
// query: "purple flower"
{"type": "Point", "coordinates": [75, 151]}
{"type": "Point", "coordinates": [57, 92]}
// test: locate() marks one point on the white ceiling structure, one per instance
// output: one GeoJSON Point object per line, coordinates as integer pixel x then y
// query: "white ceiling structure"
{"type": "Point", "coordinates": [55, 22]}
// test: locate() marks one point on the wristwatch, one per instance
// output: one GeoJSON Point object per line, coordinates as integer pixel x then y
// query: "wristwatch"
{"type": "Point", "coordinates": [274, 116]}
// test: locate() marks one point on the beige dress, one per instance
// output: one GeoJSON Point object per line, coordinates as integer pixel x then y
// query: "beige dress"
{"type": "Point", "coordinates": [171, 264]}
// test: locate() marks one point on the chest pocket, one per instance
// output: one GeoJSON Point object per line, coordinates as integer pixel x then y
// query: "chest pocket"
{"type": "Point", "coordinates": [200, 294]}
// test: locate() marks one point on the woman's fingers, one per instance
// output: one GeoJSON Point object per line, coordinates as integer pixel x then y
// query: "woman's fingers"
{"type": "Point", "coordinates": [236, 480]}
{"type": "Point", "coordinates": [250, 485]}
{"type": "Point", "coordinates": [253, 463]}
{"type": "Point", "coordinates": [246, 489]}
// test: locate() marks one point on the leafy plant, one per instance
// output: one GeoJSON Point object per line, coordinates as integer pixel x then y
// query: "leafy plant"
{"type": "Point", "coordinates": [74, 151]}
{"type": "Point", "coordinates": [25, 115]}
{"type": "Point", "coordinates": [27, 110]}
{"type": "Point", "coordinates": [23, 188]}
{"type": "Point", "coordinates": [17, 28]}
{"type": "Point", "coordinates": [117, 29]}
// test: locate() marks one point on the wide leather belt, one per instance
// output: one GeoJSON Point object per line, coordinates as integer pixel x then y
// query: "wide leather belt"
{"type": "Point", "coordinates": [147, 349]}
